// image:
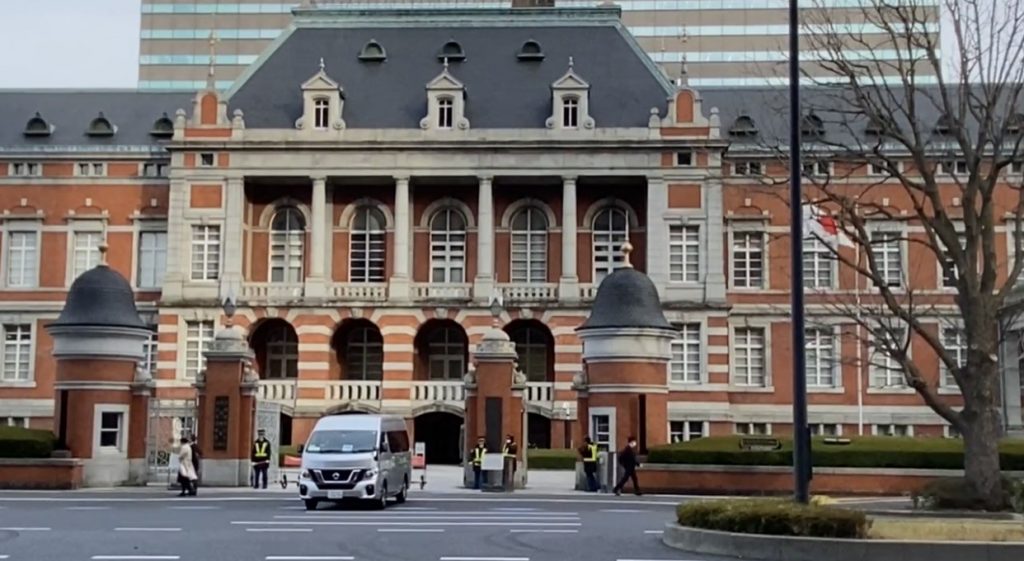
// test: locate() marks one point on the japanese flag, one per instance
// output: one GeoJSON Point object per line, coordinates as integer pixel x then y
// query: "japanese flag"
{"type": "Point", "coordinates": [823, 226]}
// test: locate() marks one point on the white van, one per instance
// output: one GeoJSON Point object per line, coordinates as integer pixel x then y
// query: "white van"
{"type": "Point", "coordinates": [356, 456]}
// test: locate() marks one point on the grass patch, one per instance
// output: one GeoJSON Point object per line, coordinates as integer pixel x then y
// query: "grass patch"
{"type": "Point", "coordinates": [773, 517]}
{"type": "Point", "coordinates": [867, 452]}
{"type": "Point", "coordinates": [16, 442]}
{"type": "Point", "coordinates": [555, 459]}
{"type": "Point", "coordinates": [953, 529]}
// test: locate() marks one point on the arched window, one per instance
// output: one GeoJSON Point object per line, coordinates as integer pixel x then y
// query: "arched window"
{"type": "Point", "coordinates": [321, 113]}
{"type": "Point", "coordinates": [446, 348]}
{"type": "Point", "coordinates": [287, 238]}
{"type": "Point", "coordinates": [364, 354]}
{"type": "Point", "coordinates": [281, 348]}
{"type": "Point", "coordinates": [367, 246]}
{"type": "Point", "coordinates": [533, 346]}
{"type": "Point", "coordinates": [570, 111]}
{"type": "Point", "coordinates": [611, 230]}
{"type": "Point", "coordinates": [445, 112]}
{"type": "Point", "coordinates": [529, 246]}
{"type": "Point", "coordinates": [448, 247]}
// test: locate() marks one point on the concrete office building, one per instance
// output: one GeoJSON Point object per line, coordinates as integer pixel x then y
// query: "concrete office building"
{"type": "Point", "coordinates": [723, 42]}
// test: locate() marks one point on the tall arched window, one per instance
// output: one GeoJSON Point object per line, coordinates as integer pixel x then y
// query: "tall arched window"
{"type": "Point", "coordinates": [287, 239]}
{"type": "Point", "coordinates": [448, 246]}
{"type": "Point", "coordinates": [611, 230]}
{"type": "Point", "coordinates": [533, 346]}
{"type": "Point", "coordinates": [321, 113]}
{"type": "Point", "coordinates": [529, 246]}
{"type": "Point", "coordinates": [282, 350]}
{"type": "Point", "coordinates": [364, 354]}
{"type": "Point", "coordinates": [446, 348]}
{"type": "Point", "coordinates": [367, 245]}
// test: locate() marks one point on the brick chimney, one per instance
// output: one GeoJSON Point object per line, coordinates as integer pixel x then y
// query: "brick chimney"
{"type": "Point", "coordinates": [533, 3]}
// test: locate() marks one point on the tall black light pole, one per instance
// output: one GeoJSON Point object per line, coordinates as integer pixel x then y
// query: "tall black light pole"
{"type": "Point", "coordinates": [801, 437]}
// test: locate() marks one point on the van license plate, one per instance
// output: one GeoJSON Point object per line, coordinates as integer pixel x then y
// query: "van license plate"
{"type": "Point", "coordinates": [335, 494]}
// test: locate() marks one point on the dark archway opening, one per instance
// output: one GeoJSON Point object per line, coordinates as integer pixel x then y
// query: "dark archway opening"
{"type": "Point", "coordinates": [276, 346]}
{"type": "Point", "coordinates": [442, 351]}
{"type": "Point", "coordinates": [538, 430]}
{"type": "Point", "coordinates": [285, 430]}
{"type": "Point", "coordinates": [535, 349]}
{"type": "Point", "coordinates": [359, 348]}
{"type": "Point", "coordinates": [441, 433]}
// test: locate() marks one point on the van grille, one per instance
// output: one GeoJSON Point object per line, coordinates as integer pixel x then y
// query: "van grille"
{"type": "Point", "coordinates": [338, 478]}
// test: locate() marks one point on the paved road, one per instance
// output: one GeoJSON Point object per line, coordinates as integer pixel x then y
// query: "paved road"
{"type": "Point", "coordinates": [274, 527]}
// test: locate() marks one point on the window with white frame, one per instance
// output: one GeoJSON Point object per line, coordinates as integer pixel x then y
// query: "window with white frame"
{"type": "Point", "coordinates": [820, 168]}
{"type": "Point", "coordinates": [367, 245]}
{"type": "Point", "coordinates": [321, 113]}
{"type": "Point", "coordinates": [198, 336]}
{"type": "Point", "coordinates": [207, 159]}
{"type": "Point", "coordinates": [826, 429]}
{"type": "Point", "coordinates": [22, 259]}
{"type": "Point", "coordinates": [747, 259]}
{"type": "Point", "coordinates": [1017, 167]}
{"type": "Point", "coordinates": [287, 245]}
{"type": "Point", "coordinates": [893, 430]}
{"type": "Point", "coordinates": [282, 348]}
{"type": "Point", "coordinates": [111, 430]}
{"type": "Point", "coordinates": [954, 340]}
{"type": "Point", "coordinates": [954, 167]}
{"type": "Point", "coordinates": [529, 246]}
{"type": "Point", "coordinates": [684, 158]}
{"type": "Point", "coordinates": [601, 431]}
{"type": "Point", "coordinates": [610, 232]}
{"type": "Point", "coordinates": [90, 169]}
{"type": "Point", "coordinates": [685, 431]}
{"type": "Point", "coordinates": [949, 431]}
{"type": "Point", "coordinates": [16, 359]}
{"type": "Point", "coordinates": [152, 259]}
{"type": "Point", "coordinates": [26, 169]}
{"type": "Point", "coordinates": [20, 422]}
{"type": "Point", "coordinates": [85, 251]}
{"type": "Point", "coordinates": [753, 429]}
{"type": "Point", "coordinates": [205, 252]}
{"type": "Point", "coordinates": [570, 112]}
{"type": "Point", "coordinates": [818, 263]}
{"type": "Point", "coordinates": [887, 247]}
{"type": "Point", "coordinates": [950, 275]}
{"type": "Point", "coordinates": [684, 253]}
{"type": "Point", "coordinates": [445, 112]}
{"type": "Point", "coordinates": [448, 246]}
{"type": "Point", "coordinates": [155, 169]}
{"type": "Point", "coordinates": [748, 367]}
{"type": "Point", "coordinates": [747, 167]}
{"type": "Point", "coordinates": [886, 371]}
{"type": "Point", "coordinates": [879, 169]}
{"type": "Point", "coordinates": [149, 351]}
{"type": "Point", "coordinates": [820, 357]}
{"type": "Point", "coordinates": [684, 366]}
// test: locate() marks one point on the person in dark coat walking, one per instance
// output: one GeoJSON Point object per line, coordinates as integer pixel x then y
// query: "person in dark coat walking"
{"type": "Point", "coordinates": [197, 463]}
{"type": "Point", "coordinates": [629, 462]}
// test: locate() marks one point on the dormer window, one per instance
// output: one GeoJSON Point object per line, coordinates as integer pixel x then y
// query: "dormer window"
{"type": "Point", "coordinates": [445, 112]}
{"type": "Point", "coordinates": [101, 126]}
{"type": "Point", "coordinates": [743, 126]}
{"type": "Point", "coordinates": [570, 112]}
{"type": "Point", "coordinates": [372, 52]}
{"type": "Point", "coordinates": [1014, 124]}
{"type": "Point", "coordinates": [321, 113]}
{"type": "Point", "coordinates": [530, 51]}
{"type": "Point", "coordinates": [452, 52]}
{"type": "Point", "coordinates": [163, 127]}
{"type": "Point", "coordinates": [812, 126]}
{"type": "Point", "coordinates": [446, 103]}
{"type": "Point", "coordinates": [943, 126]}
{"type": "Point", "coordinates": [37, 126]}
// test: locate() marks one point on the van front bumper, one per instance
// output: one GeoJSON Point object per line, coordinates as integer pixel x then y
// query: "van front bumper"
{"type": "Point", "coordinates": [362, 489]}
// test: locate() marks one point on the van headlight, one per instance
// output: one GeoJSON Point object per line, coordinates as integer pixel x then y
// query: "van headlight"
{"type": "Point", "coordinates": [304, 474]}
{"type": "Point", "coordinates": [369, 474]}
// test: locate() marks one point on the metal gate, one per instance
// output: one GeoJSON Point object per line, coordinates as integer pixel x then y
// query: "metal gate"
{"type": "Point", "coordinates": [268, 418]}
{"type": "Point", "coordinates": [169, 420]}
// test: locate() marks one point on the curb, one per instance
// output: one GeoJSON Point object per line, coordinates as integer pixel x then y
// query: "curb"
{"type": "Point", "coordinates": [789, 548]}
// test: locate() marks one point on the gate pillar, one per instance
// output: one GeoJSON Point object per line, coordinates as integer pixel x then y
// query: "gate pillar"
{"type": "Point", "coordinates": [226, 392]}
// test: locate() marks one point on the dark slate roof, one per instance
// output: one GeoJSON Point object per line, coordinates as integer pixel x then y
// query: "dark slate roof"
{"type": "Point", "coordinates": [70, 112]}
{"type": "Point", "coordinates": [100, 297]}
{"type": "Point", "coordinates": [502, 91]}
{"type": "Point", "coordinates": [626, 298]}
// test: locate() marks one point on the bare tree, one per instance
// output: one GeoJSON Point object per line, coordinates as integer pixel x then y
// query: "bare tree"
{"type": "Point", "coordinates": [937, 132]}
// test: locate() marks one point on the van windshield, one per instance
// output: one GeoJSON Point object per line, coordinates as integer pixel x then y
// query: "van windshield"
{"type": "Point", "coordinates": [341, 442]}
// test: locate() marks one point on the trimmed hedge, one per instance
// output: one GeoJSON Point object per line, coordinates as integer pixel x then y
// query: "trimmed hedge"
{"type": "Point", "coordinates": [866, 451]}
{"type": "Point", "coordinates": [955, 493]}
{"type": "Point", "coordinates": [773, 517]}
{"type": "Point", "coordinates": [16, 442]}
{"type": "Point", "coordinates": [557, 458]}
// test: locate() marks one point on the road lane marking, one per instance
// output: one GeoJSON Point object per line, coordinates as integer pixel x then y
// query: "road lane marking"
{"type": "Point", "coordinates": [411, 530]}
{"type": "Point", "coordinates": [659, 532]}
{"type": "Point", "coordinates": [5, 556]}
{"type": "Point", "coordinates": [194, 507]}
{"type": "Point", "coordinates": [23, 529]}
{"type": "Point", "coordinates": [541, 531]}
{"type": "Point", "coordinates": [515, 509]}
{"type": "Point", "coordinates": [398, 512]}
{"type": "Point", "coordinates": [386, 523]}
{"type": "Point", "coordinates": [621, 510]}
{"type": "Point", "coordinates": [136, 557]}
{"type": "Point", "coordinates": [147, 529]}
{"type": "Point", "coordinates": [278, 529]}
{"type": "Point", "coordinates": [309, 558]}
{"type": "Point", "coordinates": [87, 508]}
{"type": "Point", "coordinates": [485, 559]}
{"type": "Point", "coordinates": [489, 517]}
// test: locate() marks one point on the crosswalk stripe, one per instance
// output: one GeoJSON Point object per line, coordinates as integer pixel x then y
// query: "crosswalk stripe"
{"type": "Point", "coordinates": [388, 523]}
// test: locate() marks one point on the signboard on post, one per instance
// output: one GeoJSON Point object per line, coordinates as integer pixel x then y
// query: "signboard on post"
{"type": "Point", "coordinates": [419, 455]}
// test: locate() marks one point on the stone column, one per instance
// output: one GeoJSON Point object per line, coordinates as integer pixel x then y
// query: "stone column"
{"type": "Point", "coordinates": [715, 284]}
{"type": "Point", "coordinates": [401, 253]}
{"type": "Point", "coordinates": [227, 406]}
{"type": "Point", "coordinates": [234, 209]}
{"type": "Point", "coordinates": [568, 286]}
{"type": "Point", "coordinates": [316, 281]}
{"type": "Point", "coordinates": [496, 386]}
{"type": "Point", "coordinates": [483, 286]}
{"type": "Point", "coordinates": [178, 238]}
{"type": "Point", "coordinates": [657, 233]}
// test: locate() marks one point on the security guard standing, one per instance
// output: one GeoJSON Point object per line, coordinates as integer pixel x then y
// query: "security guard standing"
{"type": "Point", "coordinates": [508, 452]}
{"type": "Point", "coordinates": [589, 452]}
{"type": "Point", "coordinates": [260, 459]}
{"type": "Point", "coordinates": [478, 462]}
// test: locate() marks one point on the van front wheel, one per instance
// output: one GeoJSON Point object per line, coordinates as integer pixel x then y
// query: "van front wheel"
{"type": "Point", "coordinates": [383, 502]}
{"type": "Point", "coordinates": [311, 504]}
{"type": "Point", "coordinates": [404, 493]}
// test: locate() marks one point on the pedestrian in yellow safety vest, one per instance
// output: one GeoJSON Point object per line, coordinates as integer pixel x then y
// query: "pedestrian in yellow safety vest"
{"type": "Point", "coordinates": [478, 462]}
{"type": "Point", "coordinates": [509, 452]}
{"type": "Point", "coordinates": [589, 453]}
{"type": "Point", "coordinates": [260, 459]}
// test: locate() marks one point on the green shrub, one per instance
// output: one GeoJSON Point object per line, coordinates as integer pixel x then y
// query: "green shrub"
{"type": "Point", "coordinates": [868, 451]}
{"type": "Point", "coordinates": [773, 517]}
{"type": "Point", "coordinates": [559, 458]}
{"type": "Point", "coordinates": [956, 493]}
{"type": "Point", "coordinates": [16, 442]}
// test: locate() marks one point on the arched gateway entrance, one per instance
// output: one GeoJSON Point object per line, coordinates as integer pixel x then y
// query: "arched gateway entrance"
{"type": "Point", "coordinates": [441, 432]}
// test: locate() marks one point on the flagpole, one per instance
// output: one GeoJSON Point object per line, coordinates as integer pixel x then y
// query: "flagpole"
{"type": "Point", "coordinates": [860, 345]}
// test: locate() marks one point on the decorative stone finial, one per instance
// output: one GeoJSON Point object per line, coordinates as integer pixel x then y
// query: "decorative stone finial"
{"type": "Point", "coordinates": [627, 248]}
{"type": "Point", "coordinates": [229, 310]}
{"type": "Point", "coordinates": [211, 83]}
{"type": "Point", "coordinates": [446, 63]}
{"type": "Point", "coordinates": [322, 66]}
{"type": "Point", "coordinates": [571, 62]}
{"type": "Point", "coordinates": [684, 72]}
{"type": "Point", "coordinates": [102, 248]}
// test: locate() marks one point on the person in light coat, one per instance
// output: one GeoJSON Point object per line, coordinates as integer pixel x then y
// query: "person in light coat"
{"type": "Point", "coordinates": [186, 469]}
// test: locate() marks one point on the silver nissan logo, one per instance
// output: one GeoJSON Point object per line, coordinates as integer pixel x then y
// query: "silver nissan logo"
{"type": "Point", "coordinates": [336, 476]}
